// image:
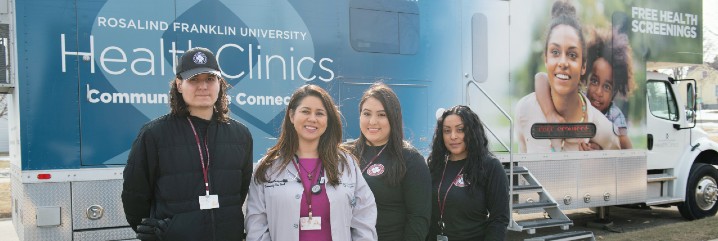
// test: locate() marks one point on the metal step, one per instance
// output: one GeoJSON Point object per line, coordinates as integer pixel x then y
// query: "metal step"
{"type": "Point", "coordinates": [565, 236]}
{"type": "Point", "coordinates": [661, 177]}
{"type": "Point", "coordinates": [528, 187]}
{"type": "Point", "coordinates": [544, 223]}
{"type": "Point", "coordinates": [518, 170]}
{"type": "Point", "coordinates": [534, 205]}
{"type": "Point", "coordinates": [663, 200]}
{"type": "Point", "coordinates": [546, 204]}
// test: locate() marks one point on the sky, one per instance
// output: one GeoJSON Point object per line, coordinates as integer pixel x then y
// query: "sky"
{"type": "Point", "coordinates": [710, 29]}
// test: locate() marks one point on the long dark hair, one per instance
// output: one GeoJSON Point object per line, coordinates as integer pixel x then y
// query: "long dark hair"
{"type": "Point", "coordinates": [397, 165]}
{"type": "Point", "coordinates": [330, 153]}
{"type": "Point", "coordinates": [564, 13]}
{"type": "Point", "coordinates": [178, 106]}
{"type": "Point", "coordinates": [476, 143]}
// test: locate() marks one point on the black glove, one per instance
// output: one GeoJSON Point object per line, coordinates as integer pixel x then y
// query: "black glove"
{"type": "Point", "coordinates": [152, 229]}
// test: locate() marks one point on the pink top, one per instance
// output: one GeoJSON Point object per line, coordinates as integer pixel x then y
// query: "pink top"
{"type": "Point", "coordinates": [320, 202]}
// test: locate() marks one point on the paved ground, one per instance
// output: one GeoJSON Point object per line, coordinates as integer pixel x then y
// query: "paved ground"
{"type": "Point", "coordinates": [624, 220]}
{"type": "Point", "coordinates": [7, 231]}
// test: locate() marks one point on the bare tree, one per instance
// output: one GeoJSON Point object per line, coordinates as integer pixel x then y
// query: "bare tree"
{"type": "Point", "coordinates": [709, 45]}
{"type": "Point", "coordinates": [680, 72]}
{"type": "Point", "coordinates": [3, 105]}
{"type": "Point", "coordinates": [710, 34]}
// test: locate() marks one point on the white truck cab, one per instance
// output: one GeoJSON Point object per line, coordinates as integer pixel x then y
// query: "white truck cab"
{"type": "Point", "coordinates": [680, 156]}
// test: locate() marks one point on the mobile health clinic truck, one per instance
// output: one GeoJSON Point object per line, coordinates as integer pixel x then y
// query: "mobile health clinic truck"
{"type": "Point", "coordinates": [85, 75]}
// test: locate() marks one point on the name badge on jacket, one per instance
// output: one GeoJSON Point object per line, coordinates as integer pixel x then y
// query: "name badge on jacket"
{"type": "Point", "coordinates": [208, 202]}
{"type": "Point", "coordinates": [313, 223]}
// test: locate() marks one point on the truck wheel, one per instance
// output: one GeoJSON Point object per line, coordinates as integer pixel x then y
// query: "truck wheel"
{"type": "Point", "coordinates": [701, 192]}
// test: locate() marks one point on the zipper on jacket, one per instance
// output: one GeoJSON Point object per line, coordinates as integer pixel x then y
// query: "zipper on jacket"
{"type": "Point", "coordinates": [209, 179]}
{"type": "Point", "coordinates": [211, 211]}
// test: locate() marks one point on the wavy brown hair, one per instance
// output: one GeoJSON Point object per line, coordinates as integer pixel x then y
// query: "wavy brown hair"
{"type": "Point", "coordinates": [221, 106]}
{"type": "Point", "coordinates": [331, 154]}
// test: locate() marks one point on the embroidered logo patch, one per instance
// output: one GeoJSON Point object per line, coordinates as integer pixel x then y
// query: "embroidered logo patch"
{"type": "Point", "coordinates": [375, 170]}
{"type": "Point", "coordinates": [459, 181]}
{"type": "Point", "coordinates": [199, 58]}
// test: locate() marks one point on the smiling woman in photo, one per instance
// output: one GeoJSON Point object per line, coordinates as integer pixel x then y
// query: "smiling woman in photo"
{"type": "Point", "coordinates": [565, 61]}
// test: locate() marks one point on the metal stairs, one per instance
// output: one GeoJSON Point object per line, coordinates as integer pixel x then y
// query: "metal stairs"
{"type": "Point", "coordinates": [574, 235]}
{"type": "Point", "coordinates": [524, 183]}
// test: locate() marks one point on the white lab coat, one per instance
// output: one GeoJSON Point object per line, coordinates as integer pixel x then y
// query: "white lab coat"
{"type": "Point", "coordinates": [273, 207]}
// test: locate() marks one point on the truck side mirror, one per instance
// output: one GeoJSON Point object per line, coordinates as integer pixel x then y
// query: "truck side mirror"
{"type": "Point", "coordinates": [690, 105]}
{"type": "Point", "coordinates": [691, 102]}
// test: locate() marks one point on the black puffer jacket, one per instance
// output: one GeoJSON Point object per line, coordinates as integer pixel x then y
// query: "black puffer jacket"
{"type": "Point", "coordinates": [164, 166]}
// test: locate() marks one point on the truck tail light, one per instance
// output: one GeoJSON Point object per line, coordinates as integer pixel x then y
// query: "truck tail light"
{"type": "Point", "coordinates": [44, 176]}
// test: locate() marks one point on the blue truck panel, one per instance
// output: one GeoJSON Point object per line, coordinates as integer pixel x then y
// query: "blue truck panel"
{"type": "Point", "coordinates": [93, 72]}
{"type": "Point", "coordinates": [49, 108]}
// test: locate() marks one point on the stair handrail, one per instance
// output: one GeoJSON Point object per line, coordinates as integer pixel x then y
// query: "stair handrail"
{"type": "Point", "coordinates": [511, 140]}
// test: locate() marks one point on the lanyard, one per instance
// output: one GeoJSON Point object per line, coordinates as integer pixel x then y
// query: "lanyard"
{"type": "Point", "coordinates": [205, 169]}
{"type": "Point", "coordinates": [310, 175]}
{"type": "Point", "coordinates": [438, 193]}
{"type": "Point", "coordinates": [305, 192]}
{"type": "Point", "coordinates": [373, 159]}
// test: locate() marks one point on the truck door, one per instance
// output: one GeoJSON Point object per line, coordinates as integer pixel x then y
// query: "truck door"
{"type": "Point", "coordinates": [485, 36]}
{"type": "Point", "coordinates": [666, 139]}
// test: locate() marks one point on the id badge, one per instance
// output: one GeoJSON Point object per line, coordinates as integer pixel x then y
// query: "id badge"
{"type": "Point", "coordinates": [315, 223]}
{"type": "Point", "coordinates": [441, 238]}
{"type": "Point", "coordinates": [208, 202]}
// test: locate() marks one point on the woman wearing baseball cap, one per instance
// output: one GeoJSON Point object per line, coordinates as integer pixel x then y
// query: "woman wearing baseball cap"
{"type": "Point", "coordinates": [188, 172]}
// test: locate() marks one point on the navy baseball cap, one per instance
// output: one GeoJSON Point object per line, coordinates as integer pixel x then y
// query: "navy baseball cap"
{"type": "Point", "coordinates": [197, 61]}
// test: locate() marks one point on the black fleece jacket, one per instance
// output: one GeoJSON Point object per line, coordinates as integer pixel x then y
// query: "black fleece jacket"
{"type": "Point", "coordinates": [164, 174]}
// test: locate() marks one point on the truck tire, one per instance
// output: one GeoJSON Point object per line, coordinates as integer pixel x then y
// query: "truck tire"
{"type": "Point", "coordinates": [701, 192]}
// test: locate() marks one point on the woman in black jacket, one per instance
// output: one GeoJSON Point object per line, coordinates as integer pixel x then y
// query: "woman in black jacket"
{"type": "Point", "coordinates": [397, 174]}
{"type": "Point", "coordinates": [471, 191]}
